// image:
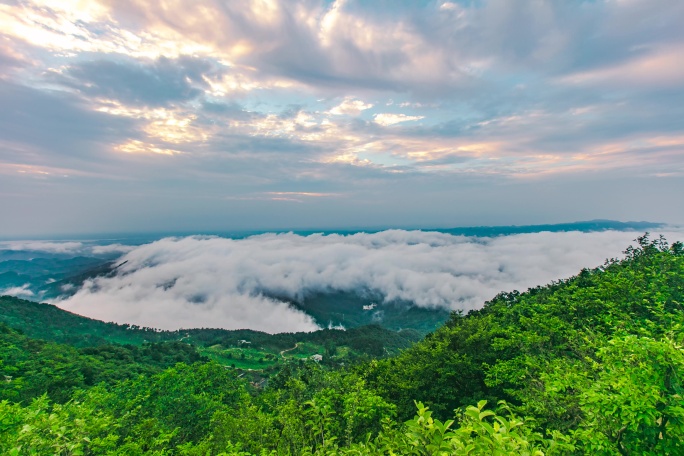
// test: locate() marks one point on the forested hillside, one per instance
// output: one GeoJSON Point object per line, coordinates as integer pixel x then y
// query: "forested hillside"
{"type": "Point", "coordinates": [48, 322]}
{"type": "Point", "coordinates": [589, 365]}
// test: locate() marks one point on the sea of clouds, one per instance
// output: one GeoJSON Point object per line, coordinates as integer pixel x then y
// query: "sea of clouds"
{"type": "Point", "coordinates": [201, 281]}
{"type": "Point", "coordinates": [64, 247]}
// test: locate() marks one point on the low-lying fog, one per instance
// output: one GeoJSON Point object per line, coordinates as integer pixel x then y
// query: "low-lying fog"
{"type": "Point", "coordinates": [203, 281]}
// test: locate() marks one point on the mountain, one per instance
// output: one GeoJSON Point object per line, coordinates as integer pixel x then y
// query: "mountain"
{"type": "Point", "coordinates": [587, 226]}
{"type": "Point", "coordinates": [43, 275]}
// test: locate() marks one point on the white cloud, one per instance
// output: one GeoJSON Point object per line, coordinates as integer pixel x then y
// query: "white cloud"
{"type": "Point", "coordinates": [42, 246]}
{"type": "Point", "coordinates": [111, 248]}
{"type": "Point", "coordinates": [65, 247]}
{"type": "Point", "coordinates": [391, 119]}
{"type": "Point", "coordinates": [19, 292]}
{"type": "Point", "coordinates": [350, 107]}
{"type": "Point", "coordinates": [218, 282]}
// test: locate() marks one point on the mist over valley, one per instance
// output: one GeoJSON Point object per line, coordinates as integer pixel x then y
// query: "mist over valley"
{"type": "Point", "coordinates": [288, 282]}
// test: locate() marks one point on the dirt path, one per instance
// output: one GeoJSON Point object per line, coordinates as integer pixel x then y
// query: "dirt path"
{"type": "Point", "coordinates": [282, 353]}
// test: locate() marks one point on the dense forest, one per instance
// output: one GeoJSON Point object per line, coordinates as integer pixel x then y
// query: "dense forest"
{"type": "Point", "coordinates": [589, 365]}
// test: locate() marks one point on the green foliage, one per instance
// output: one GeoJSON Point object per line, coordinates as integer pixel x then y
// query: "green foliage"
{"type": "Point", "coordinates": [70, 429]}
{"type": "Point", "coordinates": [48, 322]}
{"type": "Point", "coordinates": [480, 432]}
{"type": "Point", "coordinates": [631, 400]}
{"type": "Point", "coordinates": [31, 368]}
{"type": "Point", "coordinates": [475, 431]}
{"type": "Point", "coordinates": [500, 351]}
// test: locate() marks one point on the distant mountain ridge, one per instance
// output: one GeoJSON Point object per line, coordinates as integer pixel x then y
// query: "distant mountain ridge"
{"type": "Point", "coordinates": [586, 226]}
{"type": "Point", "coordinates": [482, 230]}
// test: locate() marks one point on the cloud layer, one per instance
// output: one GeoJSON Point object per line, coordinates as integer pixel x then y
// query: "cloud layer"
{"type": "Point", "coordinates": [218, 282]}
{"type": "Point", "coordinates": [65, 247]}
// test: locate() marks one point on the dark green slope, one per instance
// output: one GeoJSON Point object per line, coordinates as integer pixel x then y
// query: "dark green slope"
{"type": "Point", "coordinates": [503, 350]}
{"type": "Point", "coordinates": [32, 367]}
{"type": "Point", "coordinates": [350, 309]}
{"type": "Point", "coordinates": [48, 322]}
{"type": "Point", "coordinates": [48, 276]}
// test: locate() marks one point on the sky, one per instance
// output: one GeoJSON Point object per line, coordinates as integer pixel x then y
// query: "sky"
{"type": "Point", "coordinates": [129, 115]}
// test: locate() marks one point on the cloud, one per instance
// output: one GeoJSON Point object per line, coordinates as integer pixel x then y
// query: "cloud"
{"type": "Point", "coordinates": [152, 83]}
{"type": "Point", "coordinates": [218, 282]}
{"type": "Point", "coordinates": [38, 124]}
{"type": "Point", "coordinates": [350, 107]}
{"type": "Point", "coordinates": [10, 59]}
{"type": "Point", "coordinates": [42, 246]}
{"type": "Point", "coordinates": [391, 119]}
{"type": "Point", "coordinates": [65, 247]}
{"type": "Point", "coordinates": [130, 112]}
{"type": "Point", "coordinates": [111, 248]}
{"type": "Point", "coordinates": [19, 292]}
{"type": "Point", "coordinates": [658, 68]}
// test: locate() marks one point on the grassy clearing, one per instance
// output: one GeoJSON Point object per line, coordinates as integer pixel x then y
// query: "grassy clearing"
{"type": "Point", "coordinates": [243, 358]}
